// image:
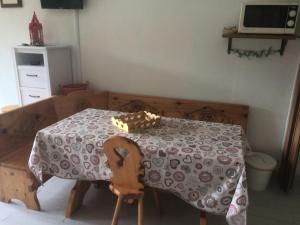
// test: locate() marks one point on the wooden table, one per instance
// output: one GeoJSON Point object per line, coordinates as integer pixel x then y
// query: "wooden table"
{"type": "Point", "coordinates": [200, 162]}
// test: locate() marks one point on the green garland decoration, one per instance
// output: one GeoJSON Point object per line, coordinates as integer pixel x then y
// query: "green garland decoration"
{"type": "Point", "coordinates": [241, 53]}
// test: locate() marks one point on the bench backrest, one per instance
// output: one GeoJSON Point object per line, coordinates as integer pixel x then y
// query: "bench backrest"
{"type": "Point", "coordinates": [77, 101]}
{"type": "Point", "coordinates": [189, 109]}
{"type": "Point", "coordinates": [27, 120]}
{"type": "Point", "coordinates": [21, 125]}
{"type": "Point", "coordinates": [18, 127]}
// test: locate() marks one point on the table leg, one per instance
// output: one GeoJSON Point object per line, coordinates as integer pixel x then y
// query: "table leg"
{"type": "Point", "coordinates": [157, 201]}
{"type": "Point", "coordinates": [203, 218]}
{"type": "Point", "coordinates": [76, 197]}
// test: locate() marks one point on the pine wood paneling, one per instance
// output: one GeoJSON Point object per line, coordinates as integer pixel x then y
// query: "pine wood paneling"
{"type": "Point", "coordinates": [190, 109]}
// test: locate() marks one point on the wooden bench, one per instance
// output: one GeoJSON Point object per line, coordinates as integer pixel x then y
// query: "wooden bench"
{"type": "Point", "coordinates": [18, 129]}
{"type": "Point", "coordinates": [17, 132]}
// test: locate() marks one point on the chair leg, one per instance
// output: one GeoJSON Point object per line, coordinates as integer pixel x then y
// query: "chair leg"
{"type": "Point", "coordinates": [157, 201]}
{"type": "Point", "coordinates": [141, 211]}
{"type": "Point", "coordinates": [203, 218]}
{"type": "Point", "coordinates": [117, 211]}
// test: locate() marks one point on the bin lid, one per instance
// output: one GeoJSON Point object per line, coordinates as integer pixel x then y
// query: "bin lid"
{"type": "Point", "coordinates": [261, 161]}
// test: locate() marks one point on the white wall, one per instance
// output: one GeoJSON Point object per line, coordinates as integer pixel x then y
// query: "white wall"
{"type": "Point", "coordinates": [169, 48]}
{"type": "Point", "coordinates": [174, 48]}
{"type": "Point", "coordinates": [58, 29]}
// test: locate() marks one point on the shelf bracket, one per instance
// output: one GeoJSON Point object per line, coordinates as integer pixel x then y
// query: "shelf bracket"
{"type": "Point", "coordinates": [229, 46]}
{"type": "Point", "coordinates": [281, 50]}
{"type": "Point", "coordinates": [283, 45]}
{"type": "Point", "coordinates": [232, 33]}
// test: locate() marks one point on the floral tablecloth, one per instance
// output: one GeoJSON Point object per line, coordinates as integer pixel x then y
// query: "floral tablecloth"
{"type": "Point", "coordinates": [200, 162]}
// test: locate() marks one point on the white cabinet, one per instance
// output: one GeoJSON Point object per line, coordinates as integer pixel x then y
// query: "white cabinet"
{"type": "Point", "coordinates": [41, 71]}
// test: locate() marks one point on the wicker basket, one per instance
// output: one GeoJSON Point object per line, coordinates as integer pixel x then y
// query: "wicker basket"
{"type": "Point", "coordinates": [136, 121]}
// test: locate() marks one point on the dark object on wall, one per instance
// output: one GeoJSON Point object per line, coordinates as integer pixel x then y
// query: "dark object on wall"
{"type": "Point", "coordinates": [11, 3]}
{"type": "Point", "coordinates": [62, 4]}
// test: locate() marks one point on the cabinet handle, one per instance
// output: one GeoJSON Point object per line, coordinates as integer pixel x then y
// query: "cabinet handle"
{"type": "Point", "coordinates": [31, 75]}
{"type": "Point", "coordinates": [34, 96]}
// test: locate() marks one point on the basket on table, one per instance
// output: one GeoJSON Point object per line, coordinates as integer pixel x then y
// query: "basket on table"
{"type": "Point", "coordinates": [136, 121]}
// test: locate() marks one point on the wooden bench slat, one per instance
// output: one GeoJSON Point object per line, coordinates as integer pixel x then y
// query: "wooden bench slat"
{"type": "Point", "coordinates": [180, 108]}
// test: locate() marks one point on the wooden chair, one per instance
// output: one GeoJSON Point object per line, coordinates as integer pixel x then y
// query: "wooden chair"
{"type": "Point", "coordinates": [203, 218]}
{"type": "Point", "coordinates": [124, 158]}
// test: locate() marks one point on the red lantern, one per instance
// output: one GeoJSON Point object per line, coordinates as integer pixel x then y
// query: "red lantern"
{"type": "Point", "coordinates": [36, 32]}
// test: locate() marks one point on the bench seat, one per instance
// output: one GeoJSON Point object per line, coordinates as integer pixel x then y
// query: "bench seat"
{"type": "Point", "coordinates": [14, 174]}
{"type": "Point", "coordinates": [17, 131]}
{"type": "Point", "coordinates": [18, 159]}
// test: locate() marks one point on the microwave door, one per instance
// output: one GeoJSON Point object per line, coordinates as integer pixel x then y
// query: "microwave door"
{"type": "Point", "coordinates": [265, 18]}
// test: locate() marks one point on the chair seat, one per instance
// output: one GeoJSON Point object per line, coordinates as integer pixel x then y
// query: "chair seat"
{"type": "Point", "coordinates": [122, 191]}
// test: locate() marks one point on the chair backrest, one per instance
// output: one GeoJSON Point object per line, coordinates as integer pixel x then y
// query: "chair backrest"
{"type": "Point", "coordinates": [124, 159]}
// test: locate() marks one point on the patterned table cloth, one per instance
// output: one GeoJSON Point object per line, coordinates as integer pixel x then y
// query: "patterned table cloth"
{"type": "Point", "coordinates": [200, 162]}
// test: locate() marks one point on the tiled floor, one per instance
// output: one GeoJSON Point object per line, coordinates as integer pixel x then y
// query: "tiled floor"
{"type": "Point", "coordinates": [271, 207]}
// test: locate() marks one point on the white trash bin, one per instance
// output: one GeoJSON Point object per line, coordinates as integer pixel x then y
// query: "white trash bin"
{"type": "Point", "coordinates": [259, 170]}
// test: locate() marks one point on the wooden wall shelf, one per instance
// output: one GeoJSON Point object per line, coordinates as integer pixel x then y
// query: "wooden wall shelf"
{"type": "Point", "coordinates": [234, 34]}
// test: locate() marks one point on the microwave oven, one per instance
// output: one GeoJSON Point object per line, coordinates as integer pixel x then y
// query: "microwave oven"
{"type": "Point", "coordinates": [269, 17]}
